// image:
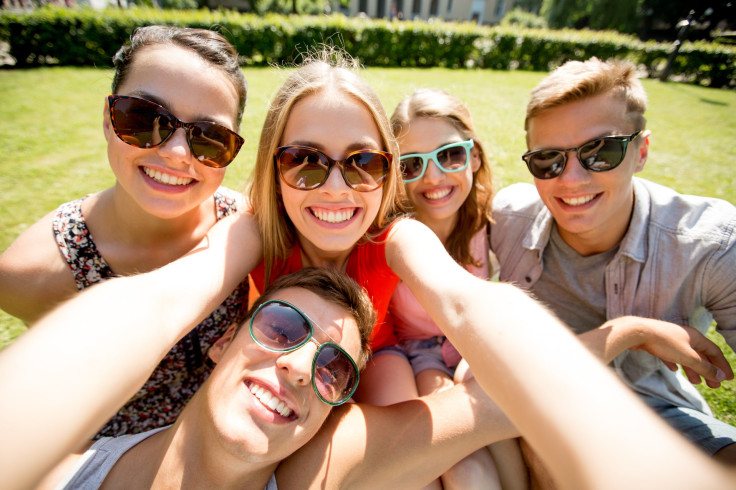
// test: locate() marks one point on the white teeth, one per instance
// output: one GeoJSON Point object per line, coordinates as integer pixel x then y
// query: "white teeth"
{"type": "Point", "coordinates": [269, 400]}
{"type": "Point", "coordinates": [577, 201]}
{"type": "Point", "coordinates": [163, 178]}
{"type": "Point", "coordinates": [333, 216]}
{"type": "Point", "coordinates": [438, 193]}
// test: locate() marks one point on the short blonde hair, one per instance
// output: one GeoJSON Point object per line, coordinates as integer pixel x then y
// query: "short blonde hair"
{"type": "Point", "coordinates": [327, 71]}
{"type": "Point", "coordinates": [475, 213]}
{"type": "Point", "coordinates": [577, 80]}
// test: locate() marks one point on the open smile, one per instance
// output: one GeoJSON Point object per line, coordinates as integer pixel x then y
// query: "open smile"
{"type": "Point", "coordinates": [269, 400]}
{"type": "Point", "coordinates": [578, 201]}
{"type": "Point", "coordinates": [333, 216]}
{"type": "Point", "coordinates": [164, 178]}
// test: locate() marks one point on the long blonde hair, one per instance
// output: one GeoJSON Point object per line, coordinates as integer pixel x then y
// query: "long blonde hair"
{"type": "Point", "coordinates": [475, 213]}
{"type": "Point", "coordinates": [329, 70]}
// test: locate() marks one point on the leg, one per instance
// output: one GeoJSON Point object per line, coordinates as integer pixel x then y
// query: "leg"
{"type": "Point", "coordinates": [726, 455]}
{"type": "Point", "coordinates": [539, 476]}
{"type": "Point", "coordinates": [387, 379]}
{"type": "Point", "coordinates": [475, 471]}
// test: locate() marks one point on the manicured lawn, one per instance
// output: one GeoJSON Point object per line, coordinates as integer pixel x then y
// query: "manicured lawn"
{"type": "Point", "coordinates": [54, 149]}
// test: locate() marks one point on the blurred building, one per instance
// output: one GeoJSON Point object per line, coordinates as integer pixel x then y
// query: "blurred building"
{"type": "Point", "coordinates": [479, 11]}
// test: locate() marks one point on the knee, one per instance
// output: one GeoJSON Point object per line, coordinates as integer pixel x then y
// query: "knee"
{"type": "Point", "coordinates": [475, 471]}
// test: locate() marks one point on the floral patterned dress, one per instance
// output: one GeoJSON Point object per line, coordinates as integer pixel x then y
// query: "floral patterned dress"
{"type": "Point", "coordinates": [186, 366]}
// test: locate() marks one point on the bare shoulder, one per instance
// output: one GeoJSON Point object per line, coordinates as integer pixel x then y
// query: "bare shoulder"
{"type": "Point", "coordinates": [33, 275]}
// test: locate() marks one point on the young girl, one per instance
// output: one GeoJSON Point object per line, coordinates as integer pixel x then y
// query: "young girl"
{"type": "Point", "coordinates": [166, 197]}
{"type": "Point", "coordinates": [447, 178]}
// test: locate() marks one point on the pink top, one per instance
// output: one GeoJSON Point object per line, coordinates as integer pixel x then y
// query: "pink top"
{"type": "Point", "coordinates": [411, 322]}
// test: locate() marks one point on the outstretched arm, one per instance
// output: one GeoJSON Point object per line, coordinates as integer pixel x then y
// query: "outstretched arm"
{"type": "Point", "coordinates": [406, 445]}
{"type": "Point", "coordinates": [60, 381]}
{"type": "Point", "coordinates": [673, 344]}
{"type": "Point", "coordinates": [534, 368]}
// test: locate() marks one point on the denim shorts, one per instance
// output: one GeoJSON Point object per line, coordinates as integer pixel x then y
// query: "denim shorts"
{"type": "Point", "coordinates": [422, 354]}
{"type": "Point", "coordinates": [707, 432]}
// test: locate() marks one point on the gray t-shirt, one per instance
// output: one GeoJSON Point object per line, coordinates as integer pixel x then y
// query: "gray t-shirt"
{"type": "Point", "coordinates": [573, 286]}
{"type": "Point", "coordinates": [94, 465]}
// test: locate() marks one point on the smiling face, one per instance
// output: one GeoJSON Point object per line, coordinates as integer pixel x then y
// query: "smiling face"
{"type": "Point", "coordinates": [262, 403]}
{"type": "Point", "coordinates": [591, 209]}
{"type": "Point", "coordinates": [331, 219]}
{"type": "Point", "coordinates": [438, 195]}
{"type": "Point", "coordinates": [168, 181]}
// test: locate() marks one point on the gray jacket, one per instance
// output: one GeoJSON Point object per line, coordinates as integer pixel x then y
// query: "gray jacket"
{"type": "Point", "coordinates": [677, 262]}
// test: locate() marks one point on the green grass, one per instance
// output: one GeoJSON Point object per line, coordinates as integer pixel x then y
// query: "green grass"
{"type": "Point", "coordinates": [50, 131]}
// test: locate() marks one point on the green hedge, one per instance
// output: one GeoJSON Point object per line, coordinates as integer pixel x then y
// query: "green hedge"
{"type": "Point", "coordinates": [88, 37]}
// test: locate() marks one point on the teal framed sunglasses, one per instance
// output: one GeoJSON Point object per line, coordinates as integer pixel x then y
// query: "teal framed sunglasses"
{"type": "Point", "coordinates": [448, 158]}
{"type": "Point", "coordinates": [279, 326]}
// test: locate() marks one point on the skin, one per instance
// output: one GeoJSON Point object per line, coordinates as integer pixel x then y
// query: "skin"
{"type": "Point", "coordinates": [139, 224]}
{"type": "Point", "coordinates": [591, 209]}
{"type": "Point", "coordinates": [312, 123]}
{"type": "Point", "coordinates": [438, 195]}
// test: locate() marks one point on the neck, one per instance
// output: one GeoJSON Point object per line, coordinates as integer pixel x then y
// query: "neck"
{"type": "Point", "coordinates": [441, 227]}
{"type": "Point", "coordinates": [312, 257]}
{"type": "Point", "coordinates": [187, 455]}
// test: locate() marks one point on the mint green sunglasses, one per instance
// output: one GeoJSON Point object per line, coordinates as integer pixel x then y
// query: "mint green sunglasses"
{"type": "Point", "coordinates": [448, 158]}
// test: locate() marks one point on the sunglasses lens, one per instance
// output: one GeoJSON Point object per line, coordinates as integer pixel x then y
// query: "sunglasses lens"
{"type": "Point", "coordinates": [212, 144]}
{"type": "Point", "coordinates": [546, 164]}
{"type": "Point", "coordinates": [365, 171]}
{"type": "Point", "coordinates": [302, 168]}
{"type": "Point", "coordinates": [279, 327]}
{"type": "Point", "coordinates": [602, 154]}
{"type": "Point", "coordinates": [334, 375]}
{"type": "Point", "coordinates": [411, 167]}
{"type": "Point", "coordinates": [140, 123]}
{"type": "Point", "coordinates": [453, 158]}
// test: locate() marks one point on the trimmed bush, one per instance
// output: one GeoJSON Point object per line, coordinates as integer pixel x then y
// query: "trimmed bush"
{"type": "Point", "coordinates": [88, 37]}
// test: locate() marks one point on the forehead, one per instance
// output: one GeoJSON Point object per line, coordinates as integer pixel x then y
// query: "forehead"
{"type": "Point", "coordinates": [576, 122]}
{"type": "Point", "coordinates": [184, 82]}
{"type": "Point", "coordinates": [424, 134]}
{"type": "Point", "coordinates": [333, 121]}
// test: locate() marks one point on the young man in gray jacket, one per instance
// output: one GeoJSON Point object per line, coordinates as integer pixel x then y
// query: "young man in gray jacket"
{"type": "Point", "coordinates": [617, 257]}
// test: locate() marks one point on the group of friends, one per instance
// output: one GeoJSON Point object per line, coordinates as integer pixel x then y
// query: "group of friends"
{"type": "Point", "coordinates": [475, 330]}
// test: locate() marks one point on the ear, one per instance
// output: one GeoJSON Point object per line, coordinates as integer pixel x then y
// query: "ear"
{"type": "Point", "coordinates": [219, 347]}
{"type": "Point", "coordinates": [106, 123]}
{"type": "Point", "coordinates": [643, 151]}
{"type": "Point", "coordinates": [475, 158]}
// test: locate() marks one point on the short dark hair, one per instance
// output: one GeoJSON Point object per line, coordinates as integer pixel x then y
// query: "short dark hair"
{"type": "Point", "coordinates": [209, 45]}
{"type": "Point", "coordinates": [335, 287]}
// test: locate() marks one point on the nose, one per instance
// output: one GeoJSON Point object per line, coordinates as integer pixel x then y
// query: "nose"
{"type": "Point", "coordinates": [176, 148]}
{"type": "Point", "coordinates": [574, 171]}
{"type": "Point", "coordinates": [433, 175]}
{"type": "Point", "coordinates": [297, 365]}
{"type": "Point", "coordinates": [335, 184]}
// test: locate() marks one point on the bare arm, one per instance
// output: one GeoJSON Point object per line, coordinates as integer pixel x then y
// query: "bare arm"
{"type": "Point", "coordinates": [34, 277]}
{"type": "Point", "coordinates": [673, 344]}
{"type": "Point", "coordinates": [85, 359]}
{"type": "Point", "coordinates": [534, 368]}
{"type": "Point", "coordinates": [406, 445]}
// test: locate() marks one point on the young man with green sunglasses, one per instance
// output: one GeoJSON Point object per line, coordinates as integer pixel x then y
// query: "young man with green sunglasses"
{"type": "Point", "coordinates": [617, 257]}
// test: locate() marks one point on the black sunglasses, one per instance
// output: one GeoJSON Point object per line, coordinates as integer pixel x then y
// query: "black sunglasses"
{"type": "Point", "coordinates": [279, 326]}
{"type": "Point", "coordinates": [598, 155]}
{"type": "Point", "coordinates": [306, 168]}
{"type": "Point", "coordinates": [145, 124]}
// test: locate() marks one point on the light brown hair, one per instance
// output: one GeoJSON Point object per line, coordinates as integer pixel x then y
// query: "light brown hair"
{"type": "Point", "coordinates": [577, 80]}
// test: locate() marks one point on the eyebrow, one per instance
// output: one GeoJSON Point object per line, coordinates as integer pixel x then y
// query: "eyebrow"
{"type": "Point", "coordinates": [201, 117]}
{"type": "Point", "coordinates": [358, 145]}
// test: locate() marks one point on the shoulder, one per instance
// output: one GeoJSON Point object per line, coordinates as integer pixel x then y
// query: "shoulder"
{"type": "Point", "coordinates": [701, 217]}
{"type": "Point", "coordinates": [518, 198]}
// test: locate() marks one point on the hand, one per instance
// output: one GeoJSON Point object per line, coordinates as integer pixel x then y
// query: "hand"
{"type": "Point", "coordinates": [676, 344]}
